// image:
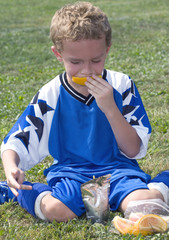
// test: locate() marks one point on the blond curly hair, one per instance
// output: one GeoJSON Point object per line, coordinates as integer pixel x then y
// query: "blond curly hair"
{"type": "Point", "coordinates": [78, 21]}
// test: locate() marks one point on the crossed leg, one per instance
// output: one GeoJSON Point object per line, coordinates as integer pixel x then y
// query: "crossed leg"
{"type": "Point", "coordinates": [140, 194]}
{"type": "Point", "coordinates": [54, 209]}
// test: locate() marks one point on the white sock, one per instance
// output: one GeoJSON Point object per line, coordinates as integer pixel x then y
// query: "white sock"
{"type": "Point", "coordinates": [37, 207]}
{"type": "Point", "coordinates": [162, 188]}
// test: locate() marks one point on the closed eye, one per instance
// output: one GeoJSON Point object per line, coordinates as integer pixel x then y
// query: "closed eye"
{"type": "Point", "coordinates": [96, 61]}
{"type": "Point", "coordinates": [75, 62]}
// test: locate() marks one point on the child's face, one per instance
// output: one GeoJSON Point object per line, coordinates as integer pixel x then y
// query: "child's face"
{"type": "Point", "coordinates": [83, 58]}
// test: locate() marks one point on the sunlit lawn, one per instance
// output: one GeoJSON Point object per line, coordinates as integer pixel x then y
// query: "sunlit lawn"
{"type": "Point", "coordinates": [139, 48]}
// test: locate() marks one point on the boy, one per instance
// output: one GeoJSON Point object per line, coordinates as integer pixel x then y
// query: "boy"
{"type": "Point", "coordinates": [90, 130]}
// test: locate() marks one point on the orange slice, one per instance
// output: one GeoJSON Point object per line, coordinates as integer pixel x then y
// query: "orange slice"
{"type": "Point", "coordinates": [81, 80]}
{"type": "Point", "coordinates": [146, 225]}
{"type": "Point", "coordinates": [151, 223]}
{"type": "Point", "coordinates": [123, 225]}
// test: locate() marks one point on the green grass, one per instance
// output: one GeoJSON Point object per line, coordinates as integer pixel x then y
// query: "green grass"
{"type": "Point", "coordinates": [139, 48]}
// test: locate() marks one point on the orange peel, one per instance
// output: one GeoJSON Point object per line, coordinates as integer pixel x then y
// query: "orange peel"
{"type": "Point", "coordinates": [146, 225]}
{"type": "Point", "coordinates": [124, 226]}
{"type": "Point", "coordinates": [81, 80]}
{"type": "Point", "coordinates": [151, 223]}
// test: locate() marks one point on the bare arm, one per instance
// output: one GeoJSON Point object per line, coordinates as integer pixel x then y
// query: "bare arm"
{"type": "Point", "coordinates": [126, 136]}
{"type": "Point", "coordinates": [14, 175]}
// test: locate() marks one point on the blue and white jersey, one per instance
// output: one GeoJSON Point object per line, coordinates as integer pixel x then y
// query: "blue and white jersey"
{"type": "Point", "coordinates": [71, 128]}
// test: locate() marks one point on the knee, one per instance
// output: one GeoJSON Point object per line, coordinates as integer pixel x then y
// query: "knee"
{"type": "Point", "coordinates": [54, 209]}
{"type": "Point", "coordinates": [141, 194]}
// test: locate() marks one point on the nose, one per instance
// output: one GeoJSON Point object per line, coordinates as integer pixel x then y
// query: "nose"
{"type": "Point", "coordinates": [87, 69]}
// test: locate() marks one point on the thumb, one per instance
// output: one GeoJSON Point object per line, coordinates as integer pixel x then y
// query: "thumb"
{"type": "Point", "coordinates": [18, 175]}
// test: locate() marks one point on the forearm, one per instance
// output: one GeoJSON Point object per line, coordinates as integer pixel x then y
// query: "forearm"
{"type": "Point", "coordinates": [10, 160]}
{"type": "Point", "coordinates": [126, 136]}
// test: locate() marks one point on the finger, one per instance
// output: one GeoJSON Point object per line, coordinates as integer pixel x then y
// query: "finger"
{"type": "Point", "coordinates": [96, 91]}
{"type": "Point", "coordinates": [97, 79]}
{"type": "Point", "coordinates": [94, 94]}
{"type": "Point", "coordinates": [92, 81]}
{"type": "Point", "coordinates": [92, 89]}
{"type": "Point", "coordinates": [97, 84]}
{"type": "Point", "coordinates": [21, 177]}
{"type": "Point", "coordinates": [18, 175]}
{"type": "Point", "coordinates": [93, 86]}
{"type": "Point", "coordinates": [12, 183]}
{"type": "Point", "coordinates": [22, 186]}
{"type": "Point", "coordinates": [26, 187]}
{"type": "Point", "coordinates": [14, 191]}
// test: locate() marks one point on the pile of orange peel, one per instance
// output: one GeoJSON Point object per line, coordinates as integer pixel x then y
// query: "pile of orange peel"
{"type": "Point", "coordinates": [140, 224]}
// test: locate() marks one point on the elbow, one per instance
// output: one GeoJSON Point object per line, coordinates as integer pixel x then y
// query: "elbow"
{"type": "Point", "coordinates": [134, 148]}
{"type": "Point", "coordinates": [133, 151]}
{"type": "Point", "coordinates": [132, 154]}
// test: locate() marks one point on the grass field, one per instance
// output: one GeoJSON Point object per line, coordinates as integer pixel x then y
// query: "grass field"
{"type": "Point", "coordinates": [140, 48]}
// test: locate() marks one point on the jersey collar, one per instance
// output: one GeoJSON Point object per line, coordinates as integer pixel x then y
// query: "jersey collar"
{"type": "Point", "coordinates": [80, 97]}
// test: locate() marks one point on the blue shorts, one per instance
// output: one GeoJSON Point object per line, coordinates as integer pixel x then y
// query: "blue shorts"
{"type": "Point", "coordinates": [68, 191]}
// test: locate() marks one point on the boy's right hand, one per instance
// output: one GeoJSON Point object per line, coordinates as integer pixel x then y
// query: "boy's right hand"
{"type": "Point", "coordinates": [14, 175]}
{"type": "Point", "coordinates": [15, 179]}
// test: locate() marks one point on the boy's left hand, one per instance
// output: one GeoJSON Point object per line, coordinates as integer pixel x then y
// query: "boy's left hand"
{"type": "Point", "coordinates": [102, 92]}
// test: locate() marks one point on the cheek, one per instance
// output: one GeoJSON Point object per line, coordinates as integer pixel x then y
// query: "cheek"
{"type": "Point", "coordinates": [73, 69]}
{"type": "Point", "coordinates": [99, 68]}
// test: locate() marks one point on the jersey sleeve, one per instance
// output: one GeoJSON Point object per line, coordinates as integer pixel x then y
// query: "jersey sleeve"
{"type": "Point", "coordinates": [30, 134]}
{"type": "Point", "coordinates": [134, 112]}
{"type": "Point", "coordinates": [132, 108]}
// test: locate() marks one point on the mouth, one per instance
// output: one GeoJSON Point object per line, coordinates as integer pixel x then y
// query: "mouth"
{"type": "Point", "coordinates": [81, 80]}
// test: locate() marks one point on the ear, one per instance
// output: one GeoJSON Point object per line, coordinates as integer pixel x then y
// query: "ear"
{"type": "Point", "coordinates": [108, 48]}
{"type": "Point", "coordinates": [57, 54]}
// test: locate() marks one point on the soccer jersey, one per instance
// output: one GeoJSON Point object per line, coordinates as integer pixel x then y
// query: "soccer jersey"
{"type": "Point", "coordinates": [71, 128]}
